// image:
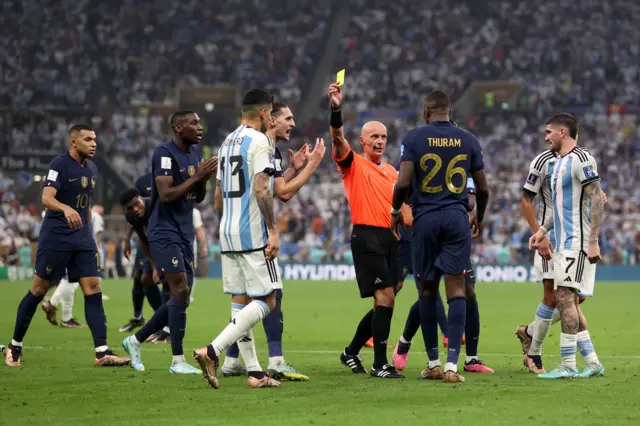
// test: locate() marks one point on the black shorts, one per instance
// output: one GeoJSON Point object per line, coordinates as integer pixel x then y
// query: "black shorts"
{"type": "Point", "coordinates": [374, 258]}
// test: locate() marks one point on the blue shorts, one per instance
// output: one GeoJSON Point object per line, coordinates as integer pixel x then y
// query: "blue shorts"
{"type": "Point", "coordinates": [405, 261]}
{"type": "Point", "coordinates": [172, 258]}
{"type": "Point", "coordinates": [469, 274]}
{"type": "Point", "coordinates": [52, 265]}
{"type": "Point", "coordinates": [441, 244]}
{"type": "Point", "coordinates": [141, 263]}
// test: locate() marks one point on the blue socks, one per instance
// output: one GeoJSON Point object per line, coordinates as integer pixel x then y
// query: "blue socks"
{"type": "Point", "coordinates": [413, 322]}
{"type": "Point", "coordinates": [472, 328]}
{"type": "Point", "coordinates": [137, 297]}
{"type": "Point", "coordinates": [158, 321]}
{"type": "Point", "coordinates": [442, 317]}
{"type": "Point", "coordinates": [96, 319]}
{"type": "Point", "coordinates": [429, 325]}
{"type": "Point", "coordinates": [177, 324]}
{"type": "Point", "coordinates": [26, 310]}
{"type": "Point", "coordinates": [457, 319]}
{"type": "Point", "coordinates": [274, 327]}
{"type": "Point", "coordinates": [153, 296]}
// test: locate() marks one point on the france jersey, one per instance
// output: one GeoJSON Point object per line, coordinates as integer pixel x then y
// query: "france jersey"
{"type": "Point", "coordinates": [571, 216]}
{"type": "Point", "coordinates": [538, 180]}
{"type": "Point", "coordinates": [243, 154]}
{"type": "Point", "coordinates": [143, 185]}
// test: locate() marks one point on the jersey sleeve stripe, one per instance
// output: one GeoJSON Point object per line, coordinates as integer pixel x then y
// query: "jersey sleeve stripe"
{"type": "Point", "coordinates": [581, 155]}
{"type": "Point", "coordinates": [542, 159]}
{"type": "Point", "coordinates": [588, 181]}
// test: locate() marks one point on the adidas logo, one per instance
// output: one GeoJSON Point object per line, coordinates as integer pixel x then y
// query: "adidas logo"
{"type": "Point", "coordinates": [568, 279]}
{"type": "Point", "coordinates": [377, 281]}
{"type": "Point", "coordinates": [245, 339]}
{"type": "Point", "coordinates": [383, 373]}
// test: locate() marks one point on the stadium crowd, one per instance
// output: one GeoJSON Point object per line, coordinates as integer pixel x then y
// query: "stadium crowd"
{"type": "Point", "coordinates": [65, 58]}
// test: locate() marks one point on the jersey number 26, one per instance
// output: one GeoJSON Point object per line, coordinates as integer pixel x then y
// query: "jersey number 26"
{"type": "Point", "coordinates": [450, 172]}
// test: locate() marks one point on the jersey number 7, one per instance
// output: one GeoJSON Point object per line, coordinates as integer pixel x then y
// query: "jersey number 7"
{"type": "Point", "coordinates": [236, 180]}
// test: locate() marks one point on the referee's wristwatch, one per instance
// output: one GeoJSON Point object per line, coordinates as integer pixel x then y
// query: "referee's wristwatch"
{"type": "Point", "coordinates": [395, 212]}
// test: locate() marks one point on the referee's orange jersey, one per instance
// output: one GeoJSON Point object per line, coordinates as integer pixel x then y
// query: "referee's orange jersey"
{"type": "Point", "coordinates": [369, 188]}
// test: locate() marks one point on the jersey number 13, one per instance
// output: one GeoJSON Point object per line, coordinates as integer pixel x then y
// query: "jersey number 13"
{"type": "Point", "coordinates": [236, 180]}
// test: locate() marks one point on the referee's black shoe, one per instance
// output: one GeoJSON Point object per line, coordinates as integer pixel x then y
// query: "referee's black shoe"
{"type": "Point", "coordinates": [354, 362]}
{"type": "Point", "coordinates": [386, 372]}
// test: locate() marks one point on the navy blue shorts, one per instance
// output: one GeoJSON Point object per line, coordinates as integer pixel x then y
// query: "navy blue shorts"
{"type": "Point", "coordinates": [405, 260]}
{"type": "Point", "coordinates": [470, 275]}
{"type": "Point", "coordinates": [172, 258]}
{"type": "Point", "coordinates": [141, 263]}
{"type": "Point", "coordinates": [52, 265]}
{"type": "Point", "coordinates": [441, 244]}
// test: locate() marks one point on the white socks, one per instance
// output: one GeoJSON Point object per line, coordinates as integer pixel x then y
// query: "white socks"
{"type": "Point", "coordinates": [586, 348]}
{"type": "Point", "coordinates": [244, 321]}
{"type": "Point", "coordinates": [568, 347]}
{"type": "Point", "coordinates": [544, 315]}
{"type": "Point", "coordinates": [64, 296]}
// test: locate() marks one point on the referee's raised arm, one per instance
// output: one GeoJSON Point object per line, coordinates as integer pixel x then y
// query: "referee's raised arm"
{"type": "Point", "coordinates": [339, 146]}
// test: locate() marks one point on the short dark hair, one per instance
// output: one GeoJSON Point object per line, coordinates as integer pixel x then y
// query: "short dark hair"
{"type": "Point", "coordinates": [437, 100]}
{"type": "Point", "coordinates": [128, 195]}
{"type": "Point", "coordinates": [277, 107]}
{"type": "Point", "coordinates": [255, 98]}
{"type": "Point", "coordinates": [179, 116]}
{"type": "Point", "coordinates": [79, 127]}
{"type": "Point", "coordinates": [567, 120]}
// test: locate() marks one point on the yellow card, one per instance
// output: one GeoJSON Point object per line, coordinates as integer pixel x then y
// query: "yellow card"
{"type": "Point", "coordinates": [340, 78]}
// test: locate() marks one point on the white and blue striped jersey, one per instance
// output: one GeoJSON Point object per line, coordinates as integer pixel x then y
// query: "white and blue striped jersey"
{"type": "Point", "coordinates": [243, 154]}
{"type": "Point", "coordinates": [538, 183]}
{"type": "Point", "coordinates": [571, 209]}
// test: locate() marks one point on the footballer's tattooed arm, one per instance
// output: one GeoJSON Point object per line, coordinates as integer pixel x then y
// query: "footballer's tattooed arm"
{"type": "Point", "coordinates": [528, 211]}
{"type": "Point", "coordinates": [265, 200]}
{"type": "Point", "coordinates": [593, 191]}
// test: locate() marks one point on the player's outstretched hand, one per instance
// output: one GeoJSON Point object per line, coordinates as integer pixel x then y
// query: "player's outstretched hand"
{"type": "Point", "coordinates": [316, 156]}
{"type": "Point", "coordinates": [593, 253]}
{"type": "Point", "coordinates": [207, 168]}
{"type": "Point", "coordinates": [273, 246]}
{"type": "Point", "coordinates": [475, 226]}
{"type": "Point", "coordinates": [335, 95]}
{"type": "Point", "coordinates": [545, 249]}
{"type": "Point", "coordinates": [299, 158]}
{"type": "Point", "coordinates": [127, 249]}
{"type": "Point", "coordinates": [73, 218]}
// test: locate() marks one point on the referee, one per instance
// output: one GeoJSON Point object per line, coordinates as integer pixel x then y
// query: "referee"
{"type": "Point", "coordinates": [368, 182]}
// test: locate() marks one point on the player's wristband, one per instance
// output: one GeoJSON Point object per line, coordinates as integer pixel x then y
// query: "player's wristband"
{"type": "Point", "coordinates": [336, 118]}
{"type": "Point", "coordinates": [394, 212]}
{"type": "Point", "coordinates": [544, 230]}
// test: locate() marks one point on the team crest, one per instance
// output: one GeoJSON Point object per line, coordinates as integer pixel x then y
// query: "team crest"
{"type": "Point", "coordinates": [192, 170]}
{"type": "Point", "coordinates": [174, 261]}
{"type": "Point", "coordinates": [84, 181]}
{"type": "Point", "coordinates": [49, 269]}
{"type": "Point", "coordinates": [93, 182]}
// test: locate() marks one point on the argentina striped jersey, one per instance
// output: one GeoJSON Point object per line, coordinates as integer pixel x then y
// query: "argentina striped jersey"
{"type": "Point", "coordinates": [538, 183]}
{"type": "Point", "coordinates": [571, 208]}
{"type": "Point", "coordinates": [243, 154]}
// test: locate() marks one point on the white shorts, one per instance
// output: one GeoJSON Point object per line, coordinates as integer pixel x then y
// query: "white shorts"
{"type": "Point", "coordinates": [543, 267]}
{"type": "Point", "coordinates": [572, 269]}
{"type": "Point", "coordinates": [250, 273]}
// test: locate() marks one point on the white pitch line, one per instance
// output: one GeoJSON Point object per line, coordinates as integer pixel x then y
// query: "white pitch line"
{"type": "Point", "coordinates": [319, 352]}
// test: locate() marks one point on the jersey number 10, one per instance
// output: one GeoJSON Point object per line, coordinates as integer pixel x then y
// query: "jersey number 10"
{"type": "Point", "coordinates": [449, 173]}
{"type": "Point", "coordinates": [236, 180]}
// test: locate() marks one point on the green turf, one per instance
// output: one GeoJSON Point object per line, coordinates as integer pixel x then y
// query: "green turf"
{"type": "Point", "coordinates": [57, 383]}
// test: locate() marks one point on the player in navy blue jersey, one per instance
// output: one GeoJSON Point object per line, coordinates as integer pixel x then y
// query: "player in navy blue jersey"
{"type": "Point", "coordinates": [139, 290]}
{"type": "Point", "coordinates": [179, 182]}
{"type": "Point", "coordinates": [137, 211]}
{"type": "Point", "coordinates": [66, 243]}
{"type": "Point", "coordinates": [435, 162]}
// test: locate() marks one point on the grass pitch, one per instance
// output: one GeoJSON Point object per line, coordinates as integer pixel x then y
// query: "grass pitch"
{"type": "Point", "coordinates": [57, 383]}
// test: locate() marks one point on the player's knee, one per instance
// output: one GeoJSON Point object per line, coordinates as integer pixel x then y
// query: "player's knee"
{"type": "Point", "coordinates": [428, 288]}
{"type": "Point", "coordinates": [39, 286]}
{"type": "Point", "coordinates": [270, 300]}
{"type": "Point", "coordinates": [181, 292]}
{"type": "Point", "coordinates": [470, 293]}
{"type": "Point", "coordinates": [385, 297]}
{"type": "Point", "coordinates": [146, 280]}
